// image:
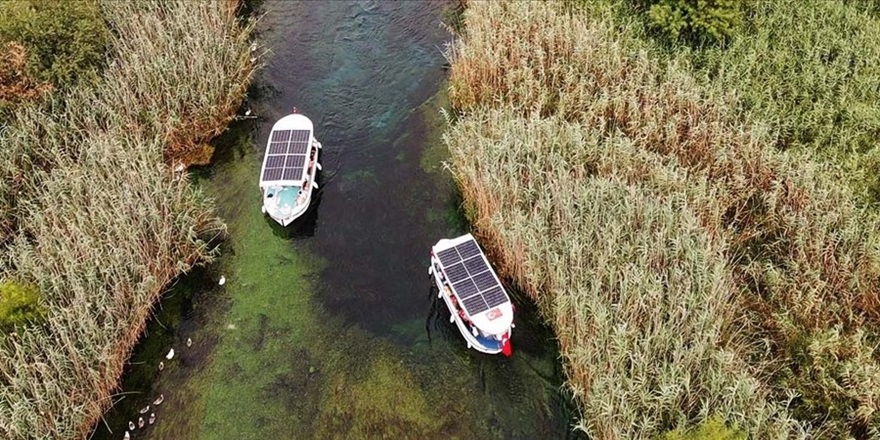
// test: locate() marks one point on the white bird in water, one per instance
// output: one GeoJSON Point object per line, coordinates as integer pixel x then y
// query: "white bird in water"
{"type": "Point", "coordinates": [127, 436]}
{"type": "Point", "coordinates": [161, 365]}
{"type": "Point", "coordinates": [222, 280]}
{"type": "Point", "coordinates": [140, 422]}
{"type": "Point", "coordinates": [170, 354]}
{"type": "Point", "coordinates": [144, 409]}
{"type": "Point", "coordinates": [248, 112]}
{"type": "Point", "coordinates": [159, 400]}
{"type": "Point", "coordinates": [152, 418]}
{"type": "Point", "coordinates": [189, 342]}
{"type": "Point", "coordinates": [131, 425]}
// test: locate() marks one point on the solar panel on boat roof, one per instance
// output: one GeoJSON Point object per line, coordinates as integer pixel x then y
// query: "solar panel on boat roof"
{"type": "Point", "coordinates": [287, 155]}
{"type": "Point", "coordinates": [448, 256]}
{"type": "Point", "coordinates": [456, 273]}
{"type": "Point", "coordinates": [474, 303]}
{"type": "Point", "coordinates": [471, 277]}
{"type": "Point", "coordinates": [466, 288]}
{"type": "Point", "coordinates": [281, 135]}
{"type": "Point", "coordinates": [298, 148]}
{"type": "Point", "coordinates": [468, 249]}
{"type": "Point", "coordinates": [272, 174]}
{"type": "Point", "coordinates": [275, 162]}
{"type": "Point", "coordinates": [278, 148]}
{"type": "Point", "coordinates": [495, 297]}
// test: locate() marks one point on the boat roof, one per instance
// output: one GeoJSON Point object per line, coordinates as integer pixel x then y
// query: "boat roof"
{"type": "Point", "coordinates": [476, 285]}
{"type": "Point", "coordinates": [287, 150]}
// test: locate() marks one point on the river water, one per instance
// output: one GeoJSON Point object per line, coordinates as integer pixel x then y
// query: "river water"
{"type": "Point", "coordinates": [329, 328]}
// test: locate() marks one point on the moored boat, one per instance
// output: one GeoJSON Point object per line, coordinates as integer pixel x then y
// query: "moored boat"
{"type": "Point", "coordinates": [287, 177]}
{"type": "Point", "coordinates": [477, 301]}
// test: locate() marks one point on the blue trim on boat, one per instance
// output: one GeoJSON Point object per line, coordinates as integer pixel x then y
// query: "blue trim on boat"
{"type": "Point", "coordinates": [489, 343]}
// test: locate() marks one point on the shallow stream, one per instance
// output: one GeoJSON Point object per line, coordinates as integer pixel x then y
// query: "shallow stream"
{"type": "Point", "coordinates": [329, 328]}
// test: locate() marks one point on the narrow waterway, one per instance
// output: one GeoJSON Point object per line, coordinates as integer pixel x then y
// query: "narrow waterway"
{"type": "Point", "coordinates": [330, 328]}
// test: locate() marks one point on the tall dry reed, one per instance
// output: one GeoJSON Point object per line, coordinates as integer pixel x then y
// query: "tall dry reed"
{"type": "Point", "coordinates": [799, 253]}
{"type": "Point", "coordinates": [102, 223]}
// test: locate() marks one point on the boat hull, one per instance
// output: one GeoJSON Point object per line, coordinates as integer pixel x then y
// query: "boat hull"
{"type": "Point", "coordinates": [479, 343]}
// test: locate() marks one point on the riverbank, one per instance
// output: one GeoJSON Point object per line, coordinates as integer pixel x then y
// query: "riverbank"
{"type": "Point", "coordinates": [689, 268]}
{"type": "Point", "coordinates": [104, 222]}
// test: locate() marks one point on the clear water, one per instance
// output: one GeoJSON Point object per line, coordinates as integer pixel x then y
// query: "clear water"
{"type": "Point", "coordinates": [330, 328]}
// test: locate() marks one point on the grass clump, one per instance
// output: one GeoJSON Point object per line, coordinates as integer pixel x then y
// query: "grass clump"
{"type": "Point", "coordinates": [19, 306]}
{"type": "Point", "coordinates": [635, 288]}
{"type": "Point", "coordinates": [797, 253]}
{"type": "Point", "coordinates": [711, 429]}
{"type": "Point", "coordinates": [711, 20]}
{"type": "Point", "coordinates": [16, 84]}
{"type": "Point", "coordinates": [93, 214]}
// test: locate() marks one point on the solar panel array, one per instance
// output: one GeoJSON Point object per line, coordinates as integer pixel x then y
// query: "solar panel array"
{"type": "Point", "coordinates": [287, 155]}
{"type": "Point", "coordinates": [466, 269]}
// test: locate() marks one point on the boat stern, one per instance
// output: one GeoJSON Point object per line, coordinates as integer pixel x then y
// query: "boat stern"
{"type": "Point", "coordinates": [285, 204]}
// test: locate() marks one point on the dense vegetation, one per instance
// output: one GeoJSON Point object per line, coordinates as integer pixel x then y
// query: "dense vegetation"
{"type": "Point", "coordinates": [676, 211]}
{"type": "Point", "coordinates": [48, 45]}
{"type": "Point", "coordinates": [93, 216]}
{"type": "Point", "coordinates": [806, 71]}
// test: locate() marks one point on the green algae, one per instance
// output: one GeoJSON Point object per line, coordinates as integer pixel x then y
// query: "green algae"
{"type": "Point", "coordinates": [434, 160]}
{"type": "Point", "coordinates": [381, 404]}
{"type": "Point", "coordinates": [261, 352]}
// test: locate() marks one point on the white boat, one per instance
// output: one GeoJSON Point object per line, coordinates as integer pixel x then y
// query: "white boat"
{"type": "Point", "coordinates": [287, 177]}
{"type": "Point", "coordinates": [476, 299]}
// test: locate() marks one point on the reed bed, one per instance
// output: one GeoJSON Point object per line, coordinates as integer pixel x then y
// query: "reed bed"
{"type": "Point", "coordinates": [786, 291]}
{"type": "Point", "coordinates": [600, 233]}
{"type": "Point", "coordinates": [102, 223]}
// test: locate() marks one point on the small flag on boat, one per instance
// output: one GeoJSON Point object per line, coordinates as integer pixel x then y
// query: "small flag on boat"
{"type": "Point", "coordinates": [506, 349]}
